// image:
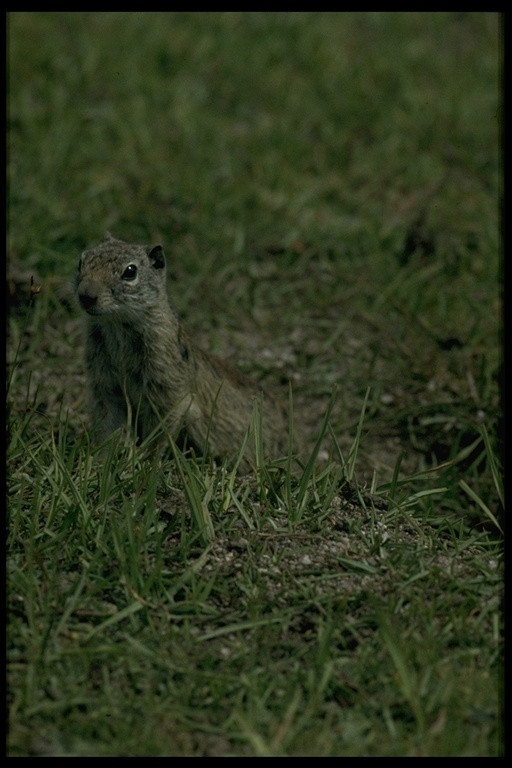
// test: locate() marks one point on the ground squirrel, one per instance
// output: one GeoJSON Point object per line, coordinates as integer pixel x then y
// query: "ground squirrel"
{"type": "Point", "coordinates": [143, 369]}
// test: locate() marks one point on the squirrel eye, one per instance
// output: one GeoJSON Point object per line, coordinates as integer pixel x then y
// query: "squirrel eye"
{"type": "Point", "coordinates": [130, 272]}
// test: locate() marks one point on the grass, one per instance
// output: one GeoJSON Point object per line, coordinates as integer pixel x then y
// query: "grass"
{"type": "Point", "coordinates": [326, 187]}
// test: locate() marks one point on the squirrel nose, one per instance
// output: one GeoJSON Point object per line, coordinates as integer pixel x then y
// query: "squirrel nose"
{"type": "Point", "coordinates": [87, 301]}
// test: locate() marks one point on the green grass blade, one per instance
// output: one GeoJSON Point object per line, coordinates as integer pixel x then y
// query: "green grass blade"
{"type": "Point", "coordinates": [483, 506]}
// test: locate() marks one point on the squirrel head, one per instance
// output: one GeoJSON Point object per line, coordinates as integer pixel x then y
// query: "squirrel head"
{"type": "Point", "coordinates": [121, 280]}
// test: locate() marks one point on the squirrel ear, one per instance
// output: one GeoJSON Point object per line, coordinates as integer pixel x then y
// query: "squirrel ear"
{"type": "Point", "coordinates": [156, 256]}
{"type": "Point", "coordinates": [108, 236]}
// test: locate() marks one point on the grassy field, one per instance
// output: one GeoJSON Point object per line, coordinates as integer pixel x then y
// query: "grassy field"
{"type": "Point", "coordinates": [327, 190]}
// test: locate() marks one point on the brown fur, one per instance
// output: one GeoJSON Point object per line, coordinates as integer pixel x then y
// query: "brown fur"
{"type": "Point", "coordinates": [143, 369]}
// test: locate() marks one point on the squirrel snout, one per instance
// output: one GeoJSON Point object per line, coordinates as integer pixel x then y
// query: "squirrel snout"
{"type": "Point", "coordinates": [87, 301]}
